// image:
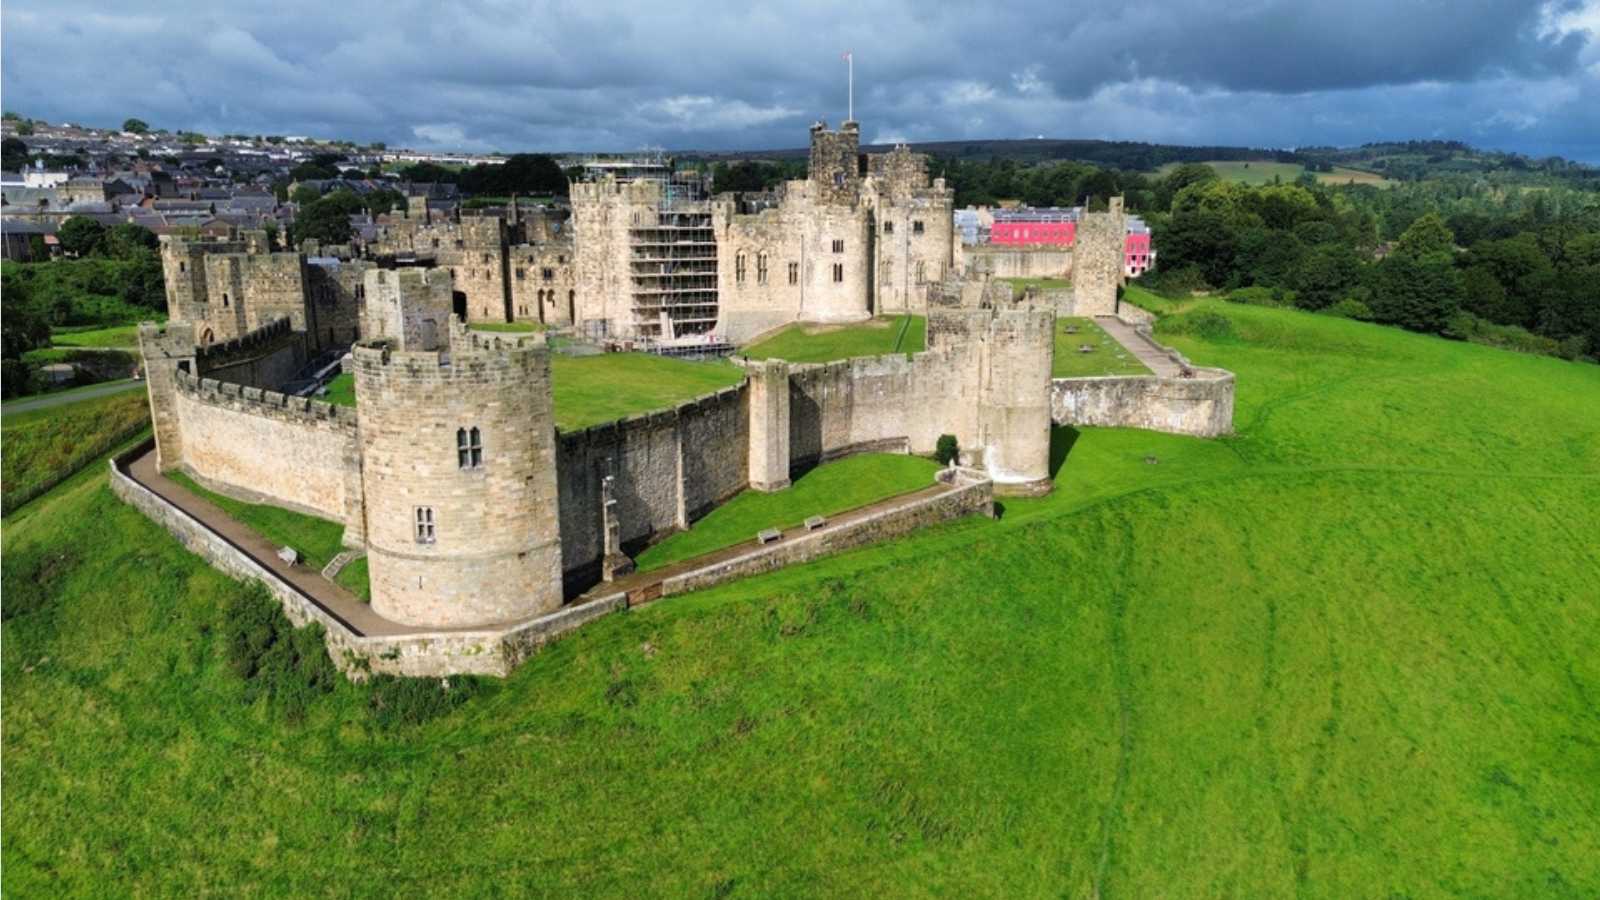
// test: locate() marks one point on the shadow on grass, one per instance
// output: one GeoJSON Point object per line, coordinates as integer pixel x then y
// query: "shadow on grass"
{"type": "Point", "coordinates": [1061, 441]}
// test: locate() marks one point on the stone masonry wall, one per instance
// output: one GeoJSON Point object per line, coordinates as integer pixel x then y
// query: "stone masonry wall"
{"type": "Point", "coordinates": [291, 451]}
{"type": "Point", "coordinates": [1201, 406]}
{"type": "Point", "coordinates": [670, 466]}
{"type": "Point", "coordinates": [264, 358]}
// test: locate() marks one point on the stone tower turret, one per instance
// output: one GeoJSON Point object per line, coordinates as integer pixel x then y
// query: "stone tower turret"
{"type": "Point", "coordinates": [459, 480]}
{"type": "Point", "coordinates": [834, 167]}
{"type": "Point", "coordinates": [408, 306]}
{"type": "Point", "coordinates": [1097, 253]}
{"type": "Point", "coordinates": [167, 351]}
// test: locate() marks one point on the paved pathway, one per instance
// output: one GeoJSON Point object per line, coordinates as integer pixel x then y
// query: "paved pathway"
{"type": "Point", "coordinates": [331, 597]}
{"type": "Point", "coordinates": [72, 396]}
{"type": "Point", "coordinates": [1143, 349]}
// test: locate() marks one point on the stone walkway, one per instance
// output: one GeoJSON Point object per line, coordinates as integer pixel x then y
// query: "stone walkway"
{"type": "Point", "coordinates": [335, 600]}
{"type": "Point", "coordinates": [1143, 349]}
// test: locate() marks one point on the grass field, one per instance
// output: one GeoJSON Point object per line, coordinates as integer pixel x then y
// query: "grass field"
{"type": "Point", "coordinates": [341, 390]}
{"type": "Point", "coordinates": [823, 491]}
{"type": "Point", "coordinates": [318, 540]}
{"type": "Point", "coordinates": [119, 336]}
{"type": "Point", "coordinates": [1348, 652]}
{"type": "Point", "coordinates": [512, 327]}
{"type": "Point", "coordinates": [594, 389]}
{"type": "Point", "coordinates": [43, 446]}
{"type": "Point", "coordinates": [1107, 358]}
{"type": "Point", "coordinates": [1043, 284]}
{"type": "Point", "coordinates": [825, 343]}
{"type": "Point", "coordinates": [1263, 172]}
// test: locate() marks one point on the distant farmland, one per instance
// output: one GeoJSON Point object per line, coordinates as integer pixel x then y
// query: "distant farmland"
{"type": "Point", "coordinates": [1262, 172]}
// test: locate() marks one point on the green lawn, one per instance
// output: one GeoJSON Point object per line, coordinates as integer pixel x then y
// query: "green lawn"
{"type": "Point", "coordinates": [594, 389]}
{"type": "Point", "coordinates": [1107, 358]}
{"type": "Point", "coordinates": [826, 343]}
{"type": "Point", "coordinates": [516, 327]}
{"type": "Point", "coordinates": [823, 491]}
{"type": "Point", "coordinates": [341, 390]}
{"type": "Point", "coordinates": [1349, 652]}
{"type": "Point", "coordinates": [353, 578]}
{"type": "Point", "coordinates": [1043, 284]}
{"type": "Point", "coordinates": [43, 446]}
{"type": "Point", "coordinates": [118, 336]}
{"type": "Point", "coordinates": [318, 540]}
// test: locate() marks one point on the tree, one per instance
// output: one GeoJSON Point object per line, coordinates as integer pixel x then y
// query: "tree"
{"type": "Point", "coordinates": [23, 325]}
{"type": "Point", "coordinates": [136, 126]}
{"type": "Point", "coordinates": [304, 194]}
{"type": "Point", "coordinates": [1325, 276]}
{"type": "Point", "coordinates": [81, 236]}
{"type": "Point", "coordinates": [1418, 292]}
{"type": "Point", "coordinates": [1426, 235]}
{"type": "Point", "coordinates": [129, 241]}
{"type": "Point", "coordinates": [326, 220]}
{"type": "Point", "coordinates": [13, 154]}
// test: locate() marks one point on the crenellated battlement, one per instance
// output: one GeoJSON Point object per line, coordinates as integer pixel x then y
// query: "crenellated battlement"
{"type": "Point", "coordinates": [259, 401]}
{"type": "Point", "coordinates": [251, 343]}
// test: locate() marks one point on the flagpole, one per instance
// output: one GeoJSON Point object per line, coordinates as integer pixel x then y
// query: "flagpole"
{"type": "Point", "coordinates": [850, 59]}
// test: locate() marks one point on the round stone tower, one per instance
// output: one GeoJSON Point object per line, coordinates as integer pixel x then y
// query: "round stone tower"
{"type": "Point", "coordinates": [459, 478]}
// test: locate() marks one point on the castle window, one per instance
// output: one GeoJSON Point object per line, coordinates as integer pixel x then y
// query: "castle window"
{"type": "Point", "coordinates": [922, 271]}
{"type": "Point", "coordinates": [738, 268]}
{"type": "Point", "coordinates": [916, 226]}
{"type": "Point", "coordinates": [424, 523]}
{"type": "Point", "coordinates": [224, 298]}
{"type": "Point", "coordinates": [838, 246]}
{"type": "Point", "coordinates": [361, 291]}
{"type": "Point", "coordinates": [761, 268]}
{"type": "Point", "coordinates": [794, 273]}
{"type": "Point", "coordinates": [486, 257]}
{"type": "Point", "coordinates": [549, 274]}
{"type": "Point", "coordinates": [521, 273]}
{"type": "Point", "coordinates": [838, 273]}
{"type": "Point", "coordinates": [888, 228]}
{"type": "Point", "coordinates": [183, 266]}
{"type": "Point", "coordinates": [436, 243]}
{"type": "Point", "coordinates": [561, 259]}
{"type": "Point", "coordinates": [469, 448]}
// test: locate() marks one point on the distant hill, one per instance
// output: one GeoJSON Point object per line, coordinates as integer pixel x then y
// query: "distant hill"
{"type": "Point", "coordinates": [1399, 161]}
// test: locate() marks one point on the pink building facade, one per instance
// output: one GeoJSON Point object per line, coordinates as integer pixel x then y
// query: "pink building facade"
{"type": "Point", "coordinates": [1059, 227]}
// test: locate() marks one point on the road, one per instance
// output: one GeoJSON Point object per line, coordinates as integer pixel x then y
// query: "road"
{"type": "Point", "coordinates": [105, 389]}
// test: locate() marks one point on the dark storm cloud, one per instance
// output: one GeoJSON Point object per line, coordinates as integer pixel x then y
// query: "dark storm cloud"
{"type": "Point", "coordinates": [490, 75]}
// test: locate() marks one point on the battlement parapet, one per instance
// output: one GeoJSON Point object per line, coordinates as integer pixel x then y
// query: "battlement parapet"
{"type": "Point", "coordinates": [250, 343]}
{"type": "Point", "coordinates": [268, 403]}
{"type": "Point", "coordinates": [608, 433]}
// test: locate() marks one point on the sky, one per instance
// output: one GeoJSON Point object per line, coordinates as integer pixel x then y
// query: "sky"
{"type": "Point", "coordinates": [482, 75]}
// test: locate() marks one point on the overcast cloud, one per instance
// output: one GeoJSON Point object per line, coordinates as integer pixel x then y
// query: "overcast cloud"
{"type": "Point", "coordinates": [486, 75]}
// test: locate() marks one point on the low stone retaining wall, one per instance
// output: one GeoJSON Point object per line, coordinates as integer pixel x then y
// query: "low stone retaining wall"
{"type": "Point", "coordinates": [1200, 405]}
{"type": "Point", "coordinates": [431, 654]}
{"type": "Point", "coordinates": [972, 492]}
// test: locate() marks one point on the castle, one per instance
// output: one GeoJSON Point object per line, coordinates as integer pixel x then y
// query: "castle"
{"type": "Point", "coordinates": [862, 235]}
{"type": "Point", "coordinates": [475, 512]}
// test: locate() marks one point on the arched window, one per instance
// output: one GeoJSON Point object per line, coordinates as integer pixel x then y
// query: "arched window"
{"type": "Point", "coordinates": [738, 269]}
{"type": "Point", "coordinates": [469, 448]}
{"type": "Point", "coordinates": [182, 266]}
{"type": "Point", "coordinates": [224, 298]}
{"type": "Point", "coordinates": [761, 268]}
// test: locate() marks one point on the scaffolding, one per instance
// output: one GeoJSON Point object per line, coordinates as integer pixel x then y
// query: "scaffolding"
{"type": "Point", "coordinates": [673, 266]}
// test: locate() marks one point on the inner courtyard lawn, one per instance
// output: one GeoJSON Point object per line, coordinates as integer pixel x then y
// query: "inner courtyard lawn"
{"type": "Point", "coordinates": [1347, 652]}
{"type": "Point", "coordinates": [826, 343]}
{"type": "Point", "coordinates": [823, 491]}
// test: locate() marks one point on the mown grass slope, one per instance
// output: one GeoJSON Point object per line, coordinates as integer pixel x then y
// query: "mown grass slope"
{"type": "Point", "coordinates": [1106, 356]}
{"type": "Point", "coordinates": [43, 446]}
{"type": "Point", "coordinates": [1348, 652]}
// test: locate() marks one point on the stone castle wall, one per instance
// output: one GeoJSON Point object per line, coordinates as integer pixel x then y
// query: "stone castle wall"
{"type": "Point", "coordinates": [264, 358]}
{"type": "Point", "coordinates": [543, 282]}
{"type": "Point", "coordinates": [1000, 261]}
{"type": "Point", "coordinates": [289, 451]}
{"type": "Point", "coordinates": [669, 468]}
{"type": "Point", "coordinates": [1097, 267]}
{"type": "Point", "coordinates": [408, 306]}
{"type": "Point", "coordinates": [1201, 406]}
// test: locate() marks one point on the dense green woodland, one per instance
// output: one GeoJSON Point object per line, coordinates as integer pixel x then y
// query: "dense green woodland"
{"type": "Point", "coordinates": [1347, 652]}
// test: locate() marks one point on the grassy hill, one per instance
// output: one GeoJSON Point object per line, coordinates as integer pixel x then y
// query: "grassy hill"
{"type": "Point", "coordinates": [1347, 652]}
{"type": "Point", "coordinates": [1258, 172]}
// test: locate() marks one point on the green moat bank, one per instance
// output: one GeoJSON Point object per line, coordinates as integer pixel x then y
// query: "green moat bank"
{"type": "Point", "coordinates": [1347, 651]}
